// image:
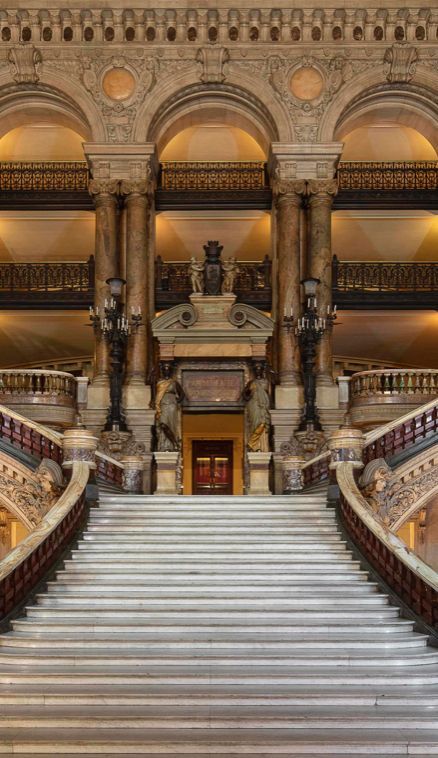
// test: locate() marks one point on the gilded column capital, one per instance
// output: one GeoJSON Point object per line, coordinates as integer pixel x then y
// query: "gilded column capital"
{"type": "Point", "coordinates": [288, 189]}
{"type": "Point", "coordinates": [322, 188]}
{"type": "Point", "coordinates": [98, 187]}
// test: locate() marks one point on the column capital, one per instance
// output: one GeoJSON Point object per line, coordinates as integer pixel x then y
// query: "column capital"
{"type": "Point", "coordinates": [323, 189]}
{"type": "Point", "coordinates": [98, 187]}
{"type": "Point", "coordinates": [138, 187]}
{"type": "Point", "coordinates": [288, 189]}
{"type": "Point", "coordinates": [316, 160]}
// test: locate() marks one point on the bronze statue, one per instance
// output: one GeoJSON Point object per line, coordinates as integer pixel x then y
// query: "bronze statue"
{"type": "Point", "coordinates": [258, 417]}
{"type": "Point", "coordinates": [168, 396]}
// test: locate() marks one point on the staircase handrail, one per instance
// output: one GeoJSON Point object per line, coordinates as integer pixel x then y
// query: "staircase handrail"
{"type": "Point", "coordinates": [26, 564]}
{"type": "Point", "coordinates": [381, 431]}
{"type": "Point", "coordinates": [56, 438]}
{"type": "Point", "coordinates": [412, 579]}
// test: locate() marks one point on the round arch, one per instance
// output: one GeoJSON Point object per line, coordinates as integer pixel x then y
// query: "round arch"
{"type": "Point", "coordinates": [183, 104]}
{"type": "Point", "coordinates": [364, 102]}
{"type": "Point", "coordinates": [67, 107]}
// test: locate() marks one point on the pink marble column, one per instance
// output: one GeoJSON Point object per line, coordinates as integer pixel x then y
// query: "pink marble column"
{"type": "Point", "coordinates": [104, 193]}
{"type": "Point", "coordinates": [288, 199]}
{"type": "Point", "coordinates": [137, 202]}
{"type": "Point", "coordinates": [321, 193]}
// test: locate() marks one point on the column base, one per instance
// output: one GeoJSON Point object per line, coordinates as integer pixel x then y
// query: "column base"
{"type": "Point", "coordinates": [258, 464]}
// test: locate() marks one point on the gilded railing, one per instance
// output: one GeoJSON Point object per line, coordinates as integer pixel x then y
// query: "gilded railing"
{"type": "Point", "coordinates": [384, 276]}
{"type": "Point", "coordinates": [219, 176]}
{"type": "Point", "coordinates": [388, 176]}
{"type": "Point", "coordinates": [77, 276]}
{"type": "Point", "coordinates": [48, 176]}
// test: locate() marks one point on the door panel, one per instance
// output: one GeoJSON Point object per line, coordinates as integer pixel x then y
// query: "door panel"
{"type": "Point", "coordinates": [212, 467]}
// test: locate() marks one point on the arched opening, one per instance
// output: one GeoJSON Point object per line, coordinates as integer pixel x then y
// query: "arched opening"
{"type": "Point", "coordinates": [386, 141]}
{"type": "Point", "coordinates": [41, 141]}
{"type": "Point", "coordinates": [213, 141]}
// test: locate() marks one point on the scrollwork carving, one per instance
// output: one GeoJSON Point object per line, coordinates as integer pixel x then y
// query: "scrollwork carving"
{"type": "Point", "coordinates": [400, 61]}
{"type": "Point", "coordinates": [25, 62]}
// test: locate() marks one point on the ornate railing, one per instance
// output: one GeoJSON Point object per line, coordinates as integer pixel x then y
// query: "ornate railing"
{"type": "Point", "coordinates": [216, 176]}
{"type": "Point", "coordinates": [252, 285]}
{"type": "Point", "coordinates": [384, 276]}
{"type": "Point", "coordinates": [48, 397]}
{"type": "Point", "coordinates": [387, 176]}
{"type": "Point", "coordinates": [57, 283]}
{"type": "Point", "coordinates": [48, 176]}
{"type": "Point", "coordinates": [109, 469]}
{"type": "Point", "coordinates": [404, 432]}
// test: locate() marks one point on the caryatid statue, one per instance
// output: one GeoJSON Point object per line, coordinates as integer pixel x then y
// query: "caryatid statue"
{"type": "Point", "coordinates": [196, 273]}
{"type": "Point", "coordinates": [229, 270]}
{"type": "Point", "coordinates": [258, 417]}
{"type": "Point", "coordinates": [167, 399]}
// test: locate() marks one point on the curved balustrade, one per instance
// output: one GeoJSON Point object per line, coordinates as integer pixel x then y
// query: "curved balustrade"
{"type": "Point", "coordinates": [26, 564]}
{"type": "Point", "coordinates": [48, 397]}
{"type": "Point", "coordinates": [29, 436]}
{"type": "Point", "coordinates": [377, 397]}
{"type": "Point", "coordinates": [409, 577]}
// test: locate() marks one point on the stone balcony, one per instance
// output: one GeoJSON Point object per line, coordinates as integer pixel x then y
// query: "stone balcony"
{"type": "Point", "coordinates": [46, 397]}
{"type": "Point", "coordinates": [378, 397]}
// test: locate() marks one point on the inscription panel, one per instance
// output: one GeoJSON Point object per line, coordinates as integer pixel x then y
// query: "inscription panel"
{"type": "Point", "coordinates": [213, 388]}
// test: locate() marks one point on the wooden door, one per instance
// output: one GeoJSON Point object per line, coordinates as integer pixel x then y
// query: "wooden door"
{"type": "Point", "coordinates": [212, 467]}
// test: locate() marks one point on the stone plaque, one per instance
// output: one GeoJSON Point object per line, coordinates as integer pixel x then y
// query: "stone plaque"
{"type": "Point", "coordinates": [215, 388]}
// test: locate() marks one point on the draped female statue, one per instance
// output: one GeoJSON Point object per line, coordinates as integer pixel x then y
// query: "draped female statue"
{"type": "Point", "coordinates": [168, 397]}
{"type": "Point", "coordinates": [258, 417]}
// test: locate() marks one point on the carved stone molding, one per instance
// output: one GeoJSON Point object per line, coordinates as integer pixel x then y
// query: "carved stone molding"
{"type": "Point", "coordinates": [212, 63]}
{"type": "Point", "coordinates": [400, 62]}
{"type": "Point", "coordinates": [103, 187]}
{"type": "Point", "coordinates": [288, 189]}
{"type": "Point", "coordinates": [118, 445]}
{"type": "Point", "coordinates": [25, 62]}
{"type": "Point", "coordinates": [29, 494]}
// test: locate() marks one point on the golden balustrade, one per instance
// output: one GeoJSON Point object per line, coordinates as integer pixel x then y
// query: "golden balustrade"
{"type": "Point", "coordinates": [387, 176]}
{"type": "Point", "coordinates": [219, 176]}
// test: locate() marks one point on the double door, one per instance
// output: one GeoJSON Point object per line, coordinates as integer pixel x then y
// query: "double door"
{"type": "Point", "coordinates": [212, 467]}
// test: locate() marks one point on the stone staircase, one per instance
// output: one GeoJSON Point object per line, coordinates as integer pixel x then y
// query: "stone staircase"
{"type": "Point", "coordinates": [199, 627]}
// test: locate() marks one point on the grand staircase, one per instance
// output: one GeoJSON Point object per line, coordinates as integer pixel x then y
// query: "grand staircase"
{"type": "Point", "coordinates": [226, 627]}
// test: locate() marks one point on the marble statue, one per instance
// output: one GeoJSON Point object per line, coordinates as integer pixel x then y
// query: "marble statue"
{"type": "Point", "coordinates": [196, 272]}
{"type": "Point", "coordinates": [258, 417]}
{"type": "Point", "coordinates": [168, 397]}
{"type": "Point", "coordinates": [229, 269]}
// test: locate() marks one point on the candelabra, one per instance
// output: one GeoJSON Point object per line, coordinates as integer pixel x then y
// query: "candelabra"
{"type": "Point", "coordinates": [309, 330]}
{"type": "Point", "coordinates": [115, 327]}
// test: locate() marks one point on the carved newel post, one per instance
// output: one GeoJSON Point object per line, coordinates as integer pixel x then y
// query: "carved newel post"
{"type": "Point", "coordinates": [345, 444]}
{"type": "Point", "coordinates": [80, 445]}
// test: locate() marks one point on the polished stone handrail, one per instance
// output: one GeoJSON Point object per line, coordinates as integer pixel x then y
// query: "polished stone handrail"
{"type": "Point", "coordinates": [26, 564]}
{"type": "Point", "coordinates": [414, 581]}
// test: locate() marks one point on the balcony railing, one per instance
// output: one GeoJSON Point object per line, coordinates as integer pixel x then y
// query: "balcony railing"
{"type": "Point", "coordinates": [388, 176]}
{"type": "Point", "coordinates": [47, 397]}
{"type": "Point", "coordinates": [380, 396]}
{"type": "Point", "coordinates": [216, 176]}
{"type": "Point", "coordinates": [65, 283]}
{"type": "Point", "coordinates": [48, 176]}
{"type": "Point", "coordinates": [358, 283]}
{"type": "Point", "coordinates": [252, 286]}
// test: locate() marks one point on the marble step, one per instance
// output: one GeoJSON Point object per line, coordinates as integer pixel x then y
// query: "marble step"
{"type": "Point", "coordinates": [276, 630]}
{"type": "Point", "coordinates": [203, 660]}
{"type": "Point", "coordinates": [171, 718]}
{"type": "Point", "coordinates": [278, 550]}
{"type": "Point", "coordinates": [178, 617]}
{"type": "Point", "coordinates": [255, 519]}
{"type": "Point", "coordinates": [74, 584]}
{"type": "Point", "coordinates": [319, 565]}
{"type": "Point", "coordinates": [210, 579]}
{"type": "Point", "coordinates": [228, 743]}
{"type": "Point", "coordinates": [237, 694]}
{"type": "Point", "coordinates": [176, 603]}
{"type": "Point", "coordinates": [218, 533]}
{"type": "Point", "coordinates": [105, 641]}
{"type": "Point", "coordinates": [201, 676]}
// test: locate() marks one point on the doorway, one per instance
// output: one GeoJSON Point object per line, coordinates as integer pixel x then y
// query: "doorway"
{"type": "Point", "coordinates": [212, 467]}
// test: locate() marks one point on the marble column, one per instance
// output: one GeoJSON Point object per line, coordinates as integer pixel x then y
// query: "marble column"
{"type": "Point", "coordinates": [288, 198]}
{"type": "Point", "coordinates": [137, 202]}
{"type": "Point", "coordinates": [104, 193]}
{"type": "Point", "coordinates": [321, 193]}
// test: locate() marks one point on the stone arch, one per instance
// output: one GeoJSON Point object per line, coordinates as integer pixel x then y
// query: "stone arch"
{"type": "Point", "coordinates": [181, 103]}
{"type": "Point", "coordinates": [63, 105]}
{"type": "Point", "coordinates": [363, 101]}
